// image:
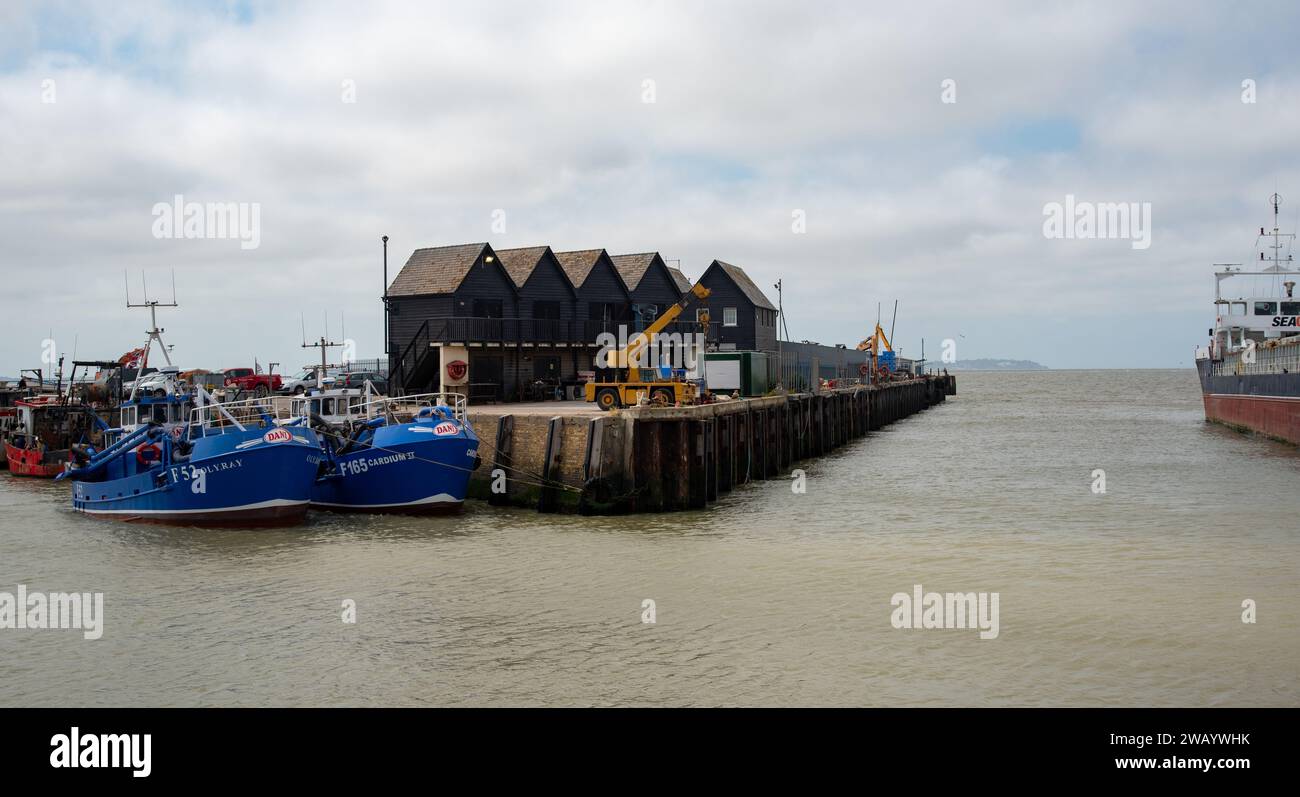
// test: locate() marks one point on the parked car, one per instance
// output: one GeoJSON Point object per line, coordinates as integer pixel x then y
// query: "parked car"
{"type": "Point", "coordinates": [130, 375]}
{"type": "Point", "coordinates": [246, 380]}
{"type": "Point", "coordinates": [301, 382]}
{"type": "Point", "coordinates": [158, 384]}
{"type": "Point", "coordinates": [358, 379]}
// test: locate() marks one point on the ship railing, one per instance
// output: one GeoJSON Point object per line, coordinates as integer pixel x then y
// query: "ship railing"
{"type": "Point", "coordinates": [403, 408]}
{"type": "Point", "coordinates": [1281, 357]}
{"type": "Point", "coordinates": [213, 417]}
{"type": "Point", "coordinates": [369, 405]}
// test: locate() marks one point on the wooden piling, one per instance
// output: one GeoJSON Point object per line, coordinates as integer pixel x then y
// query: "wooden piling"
{"type": "Point", "coordinates": [501, 458]}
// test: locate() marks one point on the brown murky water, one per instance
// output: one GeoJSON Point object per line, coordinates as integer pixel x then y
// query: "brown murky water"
{"type": "Point", "coordinates": [1128, 598]}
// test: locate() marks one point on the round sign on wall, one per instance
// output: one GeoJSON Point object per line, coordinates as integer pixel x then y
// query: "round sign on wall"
{"type": "Point", "coordinates": [456, 370]}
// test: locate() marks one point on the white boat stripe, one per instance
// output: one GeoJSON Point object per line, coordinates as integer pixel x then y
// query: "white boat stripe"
{"type": "Point", "coordinates": [440, 498]}
{"type": "Point", "coordinates": [1252, 396]}
{"type": "Point", "coordinates": [260, 505]}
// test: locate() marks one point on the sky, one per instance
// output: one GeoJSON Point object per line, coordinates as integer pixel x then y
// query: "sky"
{"type": "Point", "coordinates": [862, 153]}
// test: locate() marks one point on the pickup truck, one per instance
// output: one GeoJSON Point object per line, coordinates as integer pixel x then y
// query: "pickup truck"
{"type": "Point", "coordinates": [245, 380]}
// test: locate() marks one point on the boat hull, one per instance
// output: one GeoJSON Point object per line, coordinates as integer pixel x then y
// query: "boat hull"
{"type": "Point", "coordinates": [410, 469]}
{"type": "Point", "coordinates": [34, 463]}
{"type": "Point", "coordinates": [1266, 404]}
{"type": "Point", "coordinates": [233, 480]}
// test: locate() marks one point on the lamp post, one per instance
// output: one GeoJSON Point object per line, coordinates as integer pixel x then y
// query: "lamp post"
{"type": "Point", "coordinates": [387, 353]}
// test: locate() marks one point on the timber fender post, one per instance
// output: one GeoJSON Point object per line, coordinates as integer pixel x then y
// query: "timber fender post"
{"type": "Point", "coordinates": [551, 466]}
{"type": "Point", "coordinates": [501, 459]}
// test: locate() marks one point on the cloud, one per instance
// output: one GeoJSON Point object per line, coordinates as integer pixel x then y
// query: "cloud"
{"type": "Point", "coordinates": [760, 109]}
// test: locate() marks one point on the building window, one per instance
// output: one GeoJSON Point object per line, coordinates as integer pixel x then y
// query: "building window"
{"type": "Point", "coordinates": [1265, 308]}
{"type": "Point", "coordinates": [546, 309]}
{"type": "Point", "coordinates": [487, 308]}
{"type": "Point", "coordinates": [700, 314]}
{"type": "Point", "coordinates": [728, 316]}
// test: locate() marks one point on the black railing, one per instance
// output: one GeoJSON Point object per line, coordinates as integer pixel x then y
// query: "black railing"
{"type": "Point", "coordinates": [536, 331]}
{"type": "Point", "coordinates": [411, 357]}
{"type": "Point", "coordinates": [512, 332]}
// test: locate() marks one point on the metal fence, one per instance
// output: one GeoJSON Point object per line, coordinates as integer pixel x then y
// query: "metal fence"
{"type": "Point", "coordinates": [375, 364]}
{"type": "Point", "coordinates": [1280, 358]}
{"type": "Point", "coordinates": [800, 373]}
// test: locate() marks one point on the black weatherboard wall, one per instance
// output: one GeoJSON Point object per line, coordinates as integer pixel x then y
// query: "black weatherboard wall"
{"type": "Point", "coordinates": [602, 294]}
{"type": "Point", "coordinates": [730, 287]}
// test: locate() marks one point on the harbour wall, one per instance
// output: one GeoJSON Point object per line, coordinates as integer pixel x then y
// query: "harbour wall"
{"type": "Point", "coordinates": [657, 459]}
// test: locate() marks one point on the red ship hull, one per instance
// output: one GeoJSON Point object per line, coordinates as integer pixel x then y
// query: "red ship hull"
{"type": "Point", "coordinates": [1275, 416]}
{"type": "Point", "coordinates": [34, 463]}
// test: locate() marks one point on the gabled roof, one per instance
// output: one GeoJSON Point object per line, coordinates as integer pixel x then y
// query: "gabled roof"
{"type": "Point", "coordinates": [578, 265]}
{"type": "Point", "coordinates": [683, 282]}
{"type": "Point", "coordinates": [633, 268]}
{"type": "Point", "coordinates": [438, 269]}
{"type": "Point", "coordinates": [519, 263]}
{"type": "Point", "coordinates": [745, 284]}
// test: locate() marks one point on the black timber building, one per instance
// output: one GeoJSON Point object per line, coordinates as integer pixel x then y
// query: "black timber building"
{"type": "Point", "coordinates": [530, 317]}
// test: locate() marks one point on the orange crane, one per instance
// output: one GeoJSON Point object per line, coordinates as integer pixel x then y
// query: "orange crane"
{"type": "Point", "coordinates": [872, 345]}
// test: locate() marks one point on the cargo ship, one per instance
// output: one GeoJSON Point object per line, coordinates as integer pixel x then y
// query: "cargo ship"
{"type": "Point", "coordinates": [1250, 371]}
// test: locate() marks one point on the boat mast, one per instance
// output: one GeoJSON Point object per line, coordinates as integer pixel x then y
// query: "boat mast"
{"type": "Point", "coordinates": [154, 332]}
{"type": "Point", "coordinates": [1277, 235]}
{"type": "Point", "coordinates": [324, 344]}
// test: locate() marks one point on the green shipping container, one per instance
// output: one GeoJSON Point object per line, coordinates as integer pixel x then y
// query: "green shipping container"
{"type": "Point", "coordinates": [745, 371]}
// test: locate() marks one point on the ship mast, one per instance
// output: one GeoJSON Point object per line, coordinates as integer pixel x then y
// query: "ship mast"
{"type": "Point", "coordinates": [154, 332]}
{"type": "Point", "coordinates": [324, 344]}
{"type": "Point", "coordinates": [1277, 235]}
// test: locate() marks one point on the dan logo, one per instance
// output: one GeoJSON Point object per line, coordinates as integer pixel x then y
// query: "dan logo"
{"type": "Point", "coordinates": [444, 429]}
{"type": "Point", "coordinates": [278, 436]}
{"type": "Point", "coordinates": [456, 370]}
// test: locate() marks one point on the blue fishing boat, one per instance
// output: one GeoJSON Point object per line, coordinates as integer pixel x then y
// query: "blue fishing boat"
{"type": "Point", "coordinates": [408, 455]}
{"type": "Point", "coordinates": [215, 469]}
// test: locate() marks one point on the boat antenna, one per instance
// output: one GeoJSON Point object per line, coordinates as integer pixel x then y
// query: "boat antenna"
{"type": "Point", "coordinates": [324, 344]}
{"type": "Point", "coordinates": [154, 332]}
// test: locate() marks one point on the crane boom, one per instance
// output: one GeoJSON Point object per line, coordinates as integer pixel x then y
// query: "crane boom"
{"type": "Point", "coordinates": [626, 357]}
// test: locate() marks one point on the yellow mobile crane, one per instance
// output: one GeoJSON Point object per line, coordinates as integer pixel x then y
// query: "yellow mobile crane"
{"type": "Point", "coordinates": [624, 393]}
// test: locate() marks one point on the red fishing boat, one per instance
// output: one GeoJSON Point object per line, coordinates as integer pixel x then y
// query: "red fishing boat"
{"type": "Point", "coordinates": [45, 430]}
{"type": "Point", "coordinates": [8, 416]}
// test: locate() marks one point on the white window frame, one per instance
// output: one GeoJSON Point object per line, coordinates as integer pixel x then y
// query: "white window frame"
{"type": "Point", "coordinates": [729, 311]}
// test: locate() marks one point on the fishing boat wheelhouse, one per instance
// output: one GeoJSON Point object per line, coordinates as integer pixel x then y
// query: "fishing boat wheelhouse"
{"type": "Point", "coordinates": [45, 430]}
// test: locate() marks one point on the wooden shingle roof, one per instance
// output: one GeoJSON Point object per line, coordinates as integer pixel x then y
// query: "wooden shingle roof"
{"type": "Point", "coordinates": [633, 268]}
{"type": "Point", "coordinates": [746, 285]}
{"type": "Point", "coordinates": [578, 265]}
{"type": "Point", "coordinates": [683, 282]}
{"type": "Point", "coordinates": [519, 263]}
{"type": "Point", "coordinates": [438, 269]}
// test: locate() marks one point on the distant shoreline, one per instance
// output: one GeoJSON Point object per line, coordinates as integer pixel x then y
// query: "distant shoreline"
{"type": "Point", "coordinates": [992, 364]}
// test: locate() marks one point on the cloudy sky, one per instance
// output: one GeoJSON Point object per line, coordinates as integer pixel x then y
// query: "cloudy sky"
{"type": "Point", "coordinates": [701, 130]}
